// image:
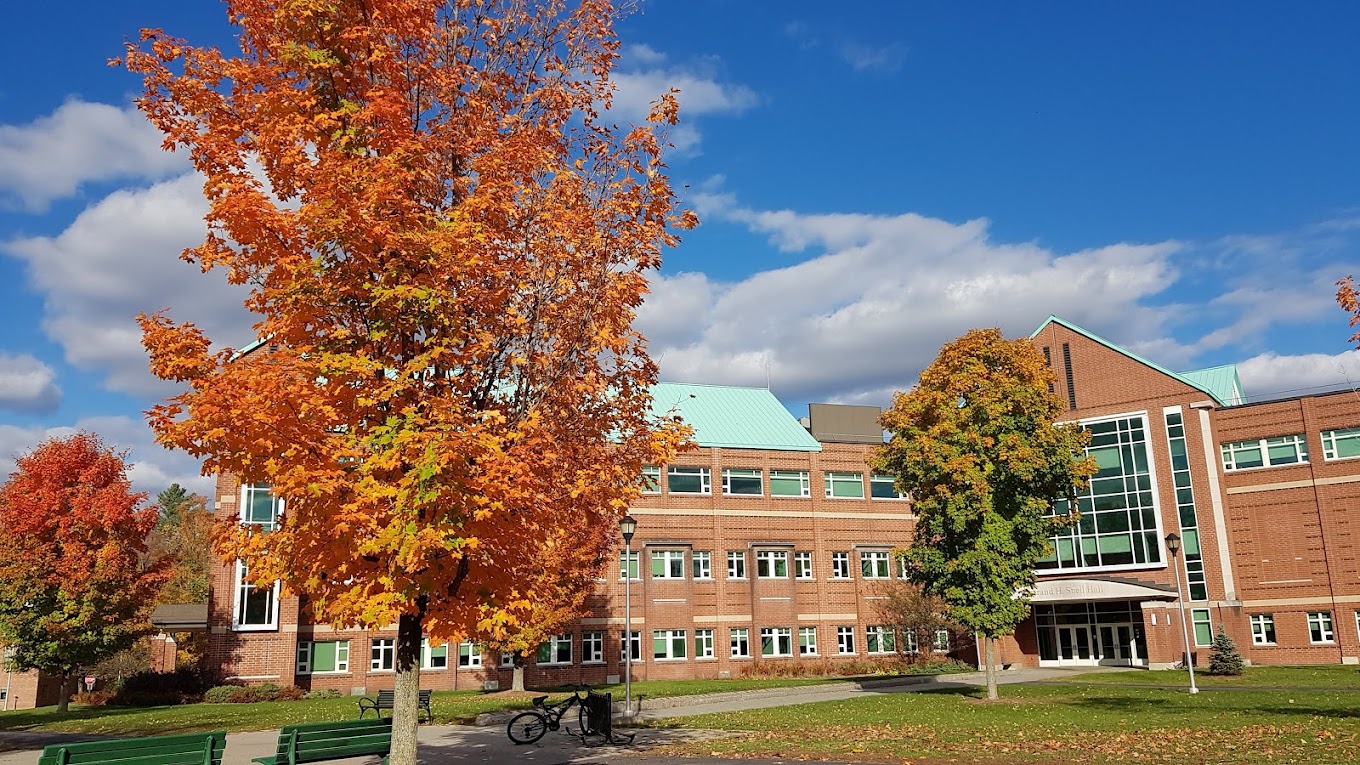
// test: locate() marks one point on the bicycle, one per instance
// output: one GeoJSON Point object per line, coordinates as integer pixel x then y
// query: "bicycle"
{"type": "Point", "coordinates": [528, 727]}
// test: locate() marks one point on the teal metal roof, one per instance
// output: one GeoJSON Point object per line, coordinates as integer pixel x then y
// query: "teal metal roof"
{"type": "Point", "coordinates": [1197, 384]}
{"type": "Point", "coordinates": [1223, 381]}
{"type": "Point", "coordinates": [733, 418]}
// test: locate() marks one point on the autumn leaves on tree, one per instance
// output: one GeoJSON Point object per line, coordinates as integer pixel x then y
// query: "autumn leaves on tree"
{"type": "Point", "coordinates": [446, 245]}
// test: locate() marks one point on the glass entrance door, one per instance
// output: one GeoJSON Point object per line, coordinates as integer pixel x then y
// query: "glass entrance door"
{"type": "Point", "coordinates": [1075, 645]}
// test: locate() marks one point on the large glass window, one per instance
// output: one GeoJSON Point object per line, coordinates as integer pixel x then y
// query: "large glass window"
{"type": "Point", "coordinates": [668, 644]}
{"type": "Point", "coordinates": [840, 565]}
{"type": "Point", "coordinates": [802, 565]}
{"type": "Point", "coordinates": [555, 650]}
{"type": "Point", "coordinates": [1320, 627]}
{"type": "Point", "coordinates": [873, 564]}
{"type": "Point", "coordinates": [703, 564]}
{"type": "Point", "coordinates": [592, 647]}
{"type": "Point", "coordinates": [790, 483]}
{"type": "Point", "coordinates": [772, 564]}
{"type": "Point", "coordinates": [315, 657]}
{"type": "Point", "coordinates": [844, 485]}
{"type": "Point", "coordinates": [257, 608]}
{"type": "Point", "coordinates": [259, 507]}
{"type": "Point", "coordinates": [879, 639]}
{"type": "Point", "coordinates": [1263, 629]}
{"type": "Point", "coordinates": [1185, 505]}
{"type": "Point", "coordinates": [1203, 627]}
{"type": "Point", "coordinates": [881, 487]}
{"type": "Point", "coordinates": [668, 564]}
{"type": "Point", "coordinates": [736, 564]}
{"type": "Point", "coordinates": [1341, 444]}
{"type": "Point", "coordinates": [845, 640]}
{"type": "Point", "coordinates": [1118, 525]}
{"type": "Point", "coordinates": [776, 641]}
{"type": "Point", "coordinates": [651, 479]}
{"type": "Point", "coordinates": [689, 480]}
{"type": "Point", "coordinates": [1265, 452]}
{"type": "Point", "coordinates": [740, 639]}
{"type": "Point", "coordinates": [382, 655]}
{"type": "Point", "coordinates": [743, 482]}
{"type": "Point", "coordinates": [434, 657]}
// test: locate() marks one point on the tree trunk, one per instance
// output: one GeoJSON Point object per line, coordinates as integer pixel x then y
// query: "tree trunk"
{"type": "Point", "coordinates": [406, 703]}
{"type": "Point", "coordinates": [990, 649]}
{"type": "Point", "coordinates": [517, 683]}
{"type": "Point", "coordinates": [63, 693]}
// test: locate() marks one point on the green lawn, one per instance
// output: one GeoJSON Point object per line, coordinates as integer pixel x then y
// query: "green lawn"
{"type": "Point", "coordinates": [1053, 724]}
{"type": "Point", "coordinates": [1329, 676]}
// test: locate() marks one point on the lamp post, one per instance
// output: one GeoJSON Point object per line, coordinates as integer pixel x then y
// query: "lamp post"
{"type": "Point", "coordinates": [627, 525]}
{"type": "Point", "coordinates": [1173, 545]}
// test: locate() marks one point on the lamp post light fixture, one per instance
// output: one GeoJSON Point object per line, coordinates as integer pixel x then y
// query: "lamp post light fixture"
{"type": "Point", "coordinates": [1173, 546]}
{"type": "Point", "coordinates": [627, 526]}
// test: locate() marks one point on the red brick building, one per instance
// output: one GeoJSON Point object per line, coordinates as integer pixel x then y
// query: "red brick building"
{"type": "Point", "coordinates": [769, 542]}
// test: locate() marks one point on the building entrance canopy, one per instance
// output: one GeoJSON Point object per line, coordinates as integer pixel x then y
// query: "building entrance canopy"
{"type": "Point", "coordinates": [1083, 590]}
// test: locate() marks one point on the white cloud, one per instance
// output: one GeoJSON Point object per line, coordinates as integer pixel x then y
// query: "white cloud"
{"type": "Point", "coordinates": [27, 384]}
{"type": "Point", "coordinates": [644, 75]}
{"type": "Point", "coordinates": [864, 57]}
{"type": "Point", "coordinates": [118, 258]}
{"type": "Point", "coordinates": [52, 156]}
{"type": "Point", "coordinates": [150, 467]}
{"type": "Point", "coordinates": [1272, 375]}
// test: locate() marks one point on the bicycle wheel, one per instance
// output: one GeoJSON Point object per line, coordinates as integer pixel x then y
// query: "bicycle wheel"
{"type": "Point", "coordinates": [583, 719]}
{"type": "Point", "coordinates": [526, 727]}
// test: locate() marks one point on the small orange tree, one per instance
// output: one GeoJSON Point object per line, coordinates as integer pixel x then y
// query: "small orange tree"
{"type": "Point", "coordinates": [446, 246]}
{"type": "Point", "coordinates": [1349, 299]}
{"type": "Point", "coordinates": [74, 588]}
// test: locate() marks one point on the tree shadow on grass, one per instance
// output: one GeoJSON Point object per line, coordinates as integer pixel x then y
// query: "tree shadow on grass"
{"type": "Point", "coordinates": [1177, 705]}
{"type": "Point", "coordinates": [28, 719]}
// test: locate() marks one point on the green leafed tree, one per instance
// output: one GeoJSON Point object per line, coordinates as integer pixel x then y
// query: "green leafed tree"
{"type": "Point", "coordinates": [977, 446]}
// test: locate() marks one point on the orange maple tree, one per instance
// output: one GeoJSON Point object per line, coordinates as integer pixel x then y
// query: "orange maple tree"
{"type": "Point", "coordinates": [1349, 299]}
{"type": "Point", "coordinates": [75, 586]}
{"type": "Point", "coordinates": [446, 244]}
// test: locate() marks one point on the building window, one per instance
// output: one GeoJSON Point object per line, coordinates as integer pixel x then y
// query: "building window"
{"type": "Point", "coordinates": [909, 644]}
{"type": "Point", "coordinates": [259, 507]}
{"type": "Point", "coordinates": [942, 641]}
{"type": "Point", "coordinates": [436, 657]}
{"type": "Point", "coordinates": [873, 564]}
{"type": "Point", "coordinates": [689, 480]}
{"type": "Point", "coordinates": [668, 644]}
{"type": "Point", "coordinates": [776, 641]}
{"type": "Point", "coordinates": [1263, 629]}
{"type": "Point", "coordinates": [1197, 584]}
{"type": "Point", "coordinates": [844, 485]}
{"type": "Point", "coordinates": [635, 639]}
{"type": "Point", "coordinates": [703, 644]}
{"type": "Point", "coordinates": [740, 638]}
{"type": "Point", "coordinates": [628, 565]}
{"type": "Point", "coordinates": [257, 608]}
{"type": "Point", "coordinates": [840, 565]}
{"type": "Point", "coordinates": [1340, 444]}
{"type": "Point", "coordinates": [1265, 452]}
{"type": "Point", "coordinates": [772, 564]}
{"type": "Point", "coordinates": [879, 639]}
{"type": "Point", "coordinates": [736, 564]}
{"type": "Point", "coordinates": [592, 647]}
{"type": "Point", "coordinates": [1320, 627]}
{"type": "Point", "coordinates": [901, 566]}
{"type": "Point", "coordinates": [382, 655]}
{"type": "Point", "coordinates": [881, 487]}
{"type": "Point", "coordinates": [748, 483]}
{"type": "Point", "coordinates": [1118, 525]}
{"type": "Point", "coordinates": [807, 641]}
{"type": "Point", "coordinates": [555, 650]}
{"type": "Point", "coordinates": [651, 479]}
{"type": "Point", "coordinates": [1204, 628]}
{"type": "Point", "coordinates": [469, 655]}
{"type": "Point", "coordinates": [703, 564]}
{"type": "Point", "coordinates": [316, 657]}
{"type": "Point", "coordinates": [790, 483]}
{"type": "Point", "coordinates": [802, 565]}
{"type": "Point", "coordinates": [507, 660]}
{"type": "Point", "coordinates": [668, 564]}
{"type": "Point", "coordinates": [845, 640]}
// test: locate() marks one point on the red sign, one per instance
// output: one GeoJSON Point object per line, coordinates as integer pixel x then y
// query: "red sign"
{"type": "Point", "coordinates": [89, 681]}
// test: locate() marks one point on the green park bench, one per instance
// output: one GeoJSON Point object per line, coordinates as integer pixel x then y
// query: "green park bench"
{"type": "Point", "coordinates": [318, 742]}
{"type": "Point", "coordinates": [183, 749]}
{"type": "Point", "coordinates": [385, 700]}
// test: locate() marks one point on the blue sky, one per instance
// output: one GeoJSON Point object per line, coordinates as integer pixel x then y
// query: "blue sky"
{"type": "Point", "coordinates": [873, 180]}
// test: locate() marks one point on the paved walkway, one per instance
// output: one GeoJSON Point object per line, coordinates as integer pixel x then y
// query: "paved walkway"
{"type": "Point", "coordinates": [488, 744]}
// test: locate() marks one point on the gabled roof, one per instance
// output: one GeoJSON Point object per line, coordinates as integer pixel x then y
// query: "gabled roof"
{"type": "Point", "coordinates": [733, 418]}
{"type": "Point", "coordinates": [1222, 380]}
{"type": "Point", "coordinates": [1198, 384]}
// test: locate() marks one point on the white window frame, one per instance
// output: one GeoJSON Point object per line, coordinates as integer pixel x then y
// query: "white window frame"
{"type": "Point", "coordinates": [875, 564]}
{"type": "Point", "coordinates": [909, 641]}
{"type": "Point", "coordinates": [768, 563]}
{"type": "Point", "coordinates": [802, 565]}
{"type": "Point", "coordinates": [876, 479]}
{"type": "Point", "coordinates": [1330, 438]}
{"type": "Point", "coordinates": [702, 563]}
{"type": "Point", "coordinates": [672, 564]}
{"type": "Point", "coordinates": [807, 641]}
{"type": "Point", "coordinates": [382, 651]}
{"type": "Point", "coordinates": [473, 654]}
{"type": "Point", "coordinates": [739, 639]}
{"type": "Point", "coordinates": [779, 640]}
{"type": "Point", "coordinates": [704, 474]}
{"type": "Point", "coordinates": [1320, 623]}
{"type": "Point", "coordinates": [651, 479]}
{"type": "Point", "coordinates": [427, 656]}
{"type": "Point", "coordinates": [941, 644]}
{"type": "Point", "coordinates": [507, 660]}
{"type": "Point", "coordinates": [1263, 629]}
{"type": "Point", "coordinates": [634, 637]}
{"type": "Point", "coordinates": [592, 647]}
{"type": "Point", "coordinates": [241, 589]}
{"type": "Point", "coordinates": [879, 640]}
{"type": "Point", "coordinates": [703, 644]}
{"type": "Point", "coordinates": [833, 478]}
{"type": "Point", "coordinates": [803, 477]}
{"type": "Point", "coordinates": [276, 509]}
{"type": "Point", "coordinates": [840, 565]}
{"type": "Point", "coordinates": [736, 564]}
{"type": "Point", "coordinates": [1228, 451]}
{"type": "Point", "coordinates": [1201, 617]}
{"type": "Point", "coordinates": [630, 563]}
{"type": "Point", "coordinates": [670, 639]}
{"type": "Point", "coordinates": [555, 645]}
{"type": "Point", "coordinates": [845, 641]}
{"type": "Point", "coordinates": [306, 650]}
{"type": "Point", "coordinates": [729, 473]}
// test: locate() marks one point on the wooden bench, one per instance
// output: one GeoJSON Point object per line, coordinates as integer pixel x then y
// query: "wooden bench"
{"type": "Point", "coordinates": [318, 742]}
{"type": "Point", "coordinates": [385, 700]}
{"type": "Point", "coordinates": [184, 749]}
